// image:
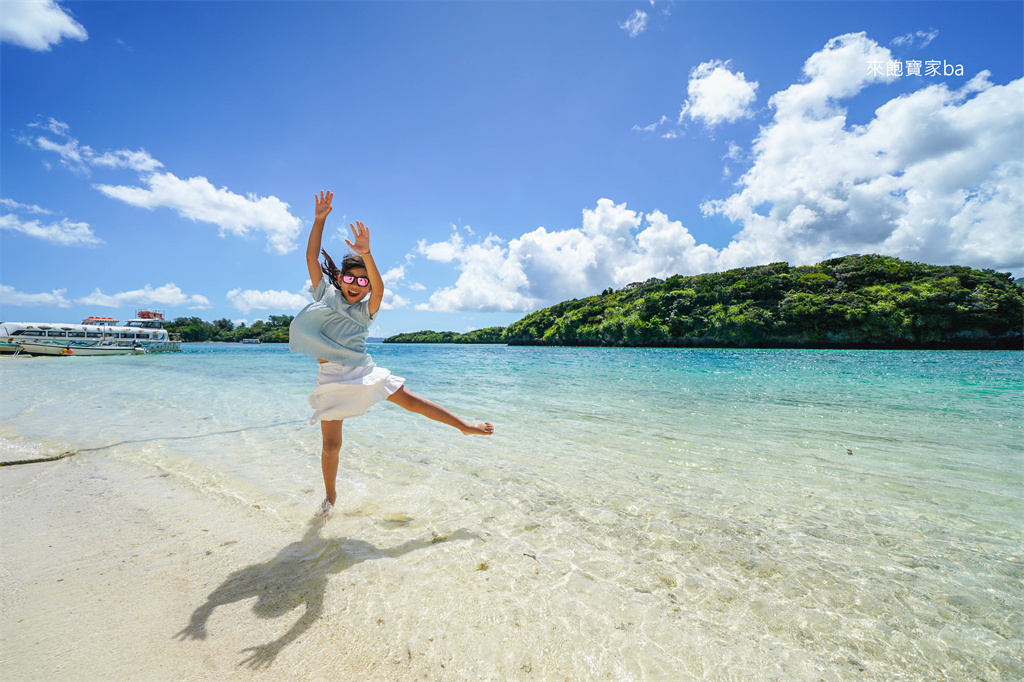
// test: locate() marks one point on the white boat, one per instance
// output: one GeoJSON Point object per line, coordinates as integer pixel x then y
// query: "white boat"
{"type": "Point", "coordinates": [108, 348]}
{"type": "Point", "coordinates": [95, 336]}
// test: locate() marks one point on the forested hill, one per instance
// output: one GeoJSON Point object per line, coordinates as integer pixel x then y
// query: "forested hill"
{"type": "Point", "coordinates": [855, 301]}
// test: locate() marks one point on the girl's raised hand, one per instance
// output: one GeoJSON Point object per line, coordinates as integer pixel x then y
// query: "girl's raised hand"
{"type": "Point", "coordinates": [323, 204]}
{"type": "Point", "coordinates": [361, 235]}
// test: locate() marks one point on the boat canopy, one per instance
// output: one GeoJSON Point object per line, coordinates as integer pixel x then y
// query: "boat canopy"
{"type": "Point", "coordinates": [149, 314]}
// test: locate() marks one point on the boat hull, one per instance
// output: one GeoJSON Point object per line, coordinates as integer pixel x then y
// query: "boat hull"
{"type": "Point", "coordinates": [53, 349]}
{"type": "Point", "coordinates": [10, 347]}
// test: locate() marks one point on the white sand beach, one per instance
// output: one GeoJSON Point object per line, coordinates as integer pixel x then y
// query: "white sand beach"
{"type": "Point", "coordinates": [102, 578]}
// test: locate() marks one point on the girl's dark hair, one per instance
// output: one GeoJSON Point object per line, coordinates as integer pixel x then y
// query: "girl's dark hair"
{"type": "Point", "coordinates": [350, 261]}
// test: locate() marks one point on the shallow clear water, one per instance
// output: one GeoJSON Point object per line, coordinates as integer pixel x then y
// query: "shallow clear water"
{"type": "Point", "coordinates": [694, 513]}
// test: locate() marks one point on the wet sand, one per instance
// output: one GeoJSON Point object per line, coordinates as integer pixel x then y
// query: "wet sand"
{"type": "Point", "coordinates": [96, 582]}
{"type": "Point", "coordinates": [114, 570]}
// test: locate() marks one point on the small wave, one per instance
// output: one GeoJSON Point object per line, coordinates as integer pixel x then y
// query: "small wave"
{"type": "Point", "coordinates": [15, 449]}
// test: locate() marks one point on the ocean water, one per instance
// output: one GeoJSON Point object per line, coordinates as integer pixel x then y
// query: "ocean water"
{"type": "Point", "coordinates": [639, 513]}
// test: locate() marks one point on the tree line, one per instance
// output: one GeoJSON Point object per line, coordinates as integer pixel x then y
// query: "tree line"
{"type": "Point", "coordinates": [860, 301]}
{"type": "Point", "coordinates": [488, 335]}
{"type": "Point", "coordinates": [274, 330]}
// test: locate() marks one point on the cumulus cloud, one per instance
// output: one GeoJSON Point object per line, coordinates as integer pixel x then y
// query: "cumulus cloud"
{"type": "Point", "coordinates": [63, 233]}
{"type": "Point", "coordinates": [393, 278]}
{"type": "Point", "coordinates": [38, 24]}
{"type": "Point", "coordinates": [393, 301]}
{"type": "Point", "coordinates": [198, 200]}
{"type": "Point", "coordinates": [248, 300]}
{"type": "Point", "coordinates": [166, 295]}
{"type": "Point", "coordinates": [838, 71]}
{"type": "Point", "coordinates": [488, 281]}
{"type": "Point", "coordinates": [717, 94]}
{"type": "Point", "coordinates": [636, 24]}
{"type": "Point", "coordinates": [613, 247]}
{"type": "Point", "coordinates": [12, 297]}
{"type": "Point", "coordinates": [195, 198]}
{"type": "Point", "coordinates": [935, 176]}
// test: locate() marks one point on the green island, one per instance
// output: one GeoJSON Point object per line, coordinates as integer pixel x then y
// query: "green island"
{"type": "Point", "coordinates": [488, 335]}
{"type": "Point", "coordinates": [860, 301]}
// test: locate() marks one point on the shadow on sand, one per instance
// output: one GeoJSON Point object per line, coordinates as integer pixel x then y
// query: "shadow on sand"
{"type": "Point", "coordinates": [297, 575]}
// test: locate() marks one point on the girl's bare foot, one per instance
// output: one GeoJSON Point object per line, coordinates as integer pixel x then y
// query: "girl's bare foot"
{"type": "Point", "coordinates": [485, 429]}
{"type": "Point", "coordinates": [324, 510]}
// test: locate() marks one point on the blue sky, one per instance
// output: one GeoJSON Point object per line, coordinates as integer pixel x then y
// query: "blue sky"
{"type": "Point", "coordinates": [506, 156]}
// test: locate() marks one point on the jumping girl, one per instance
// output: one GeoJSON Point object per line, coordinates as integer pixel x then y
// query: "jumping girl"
{"type": "Point", "coordinates": [333, 329]}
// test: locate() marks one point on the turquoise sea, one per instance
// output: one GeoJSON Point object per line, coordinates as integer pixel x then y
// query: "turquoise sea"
{"type": "Point", "coordinates": [639, 513]}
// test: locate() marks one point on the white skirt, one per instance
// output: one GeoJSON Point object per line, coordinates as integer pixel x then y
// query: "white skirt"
{"type": "Point", "coordinates": [343, 391]}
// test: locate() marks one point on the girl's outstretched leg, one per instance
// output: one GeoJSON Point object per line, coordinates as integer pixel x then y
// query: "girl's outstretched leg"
{"type": "Point", "coordinates": [331, 431]}
{"type": "Point", "coordinates": [403, 397]}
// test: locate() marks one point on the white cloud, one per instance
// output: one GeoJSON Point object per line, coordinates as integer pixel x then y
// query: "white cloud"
{"type": "Point", "coordinates": [54, 126]}
{"type": "Point", "coordinates": [735, 152]}
{"type": "Point", "coordinates": [838, 71]}
{"type": "Point", "coordinates": [717, 95]}
{"type": "Point", "coordinates": [79, 158]}
{"type": "Point", "coordinates": [12, 205]}
{"type": "Point", "coordinates": [396, 275]}
{"type": "Point", "coordinates": [250, 299]}
{"type": "Point", "coordinates": [652, 127]}
{"type": "Point", "coordinates": [195, 198]}
{"type": "Point", "coordinates": [935, 176]}
{"type": "Point", "coordinates": [393, 301]}
{"type": "Point", "coordinates": [37, 24]}
{"type": "Point", "coordinates": [167, 295]}
{"type": "Point", "coordinates": [198, 200]}
{"type": "Point", "coordinates": [542, 266]}
{"type": "Point", "coordinates": [636, 24]}
{"type": "Point", "coordinates": [489, 279]}
{"type": "Point", "coordinates": [12, 297]}
{"type": "Point", "coordinates": [923, 38]}
{"type": "Point", "coordinates": [71, 154]}
{"type": "Point", "coordinates": [64, 233]}
{"type": "Point", "coordinates": [393, 278]}
{"type": "Point", "coordinates": [138, 160]}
